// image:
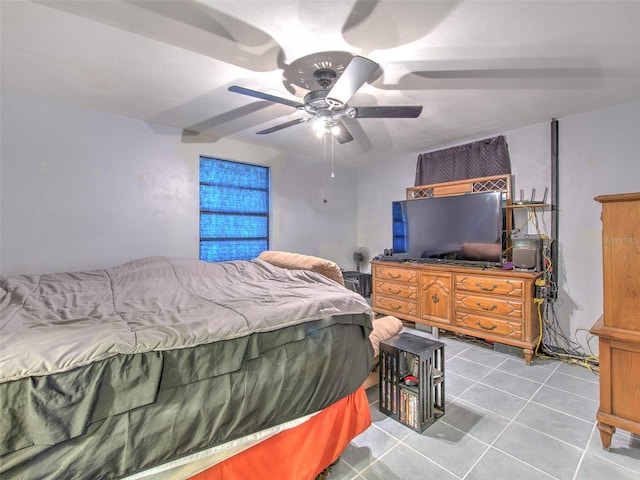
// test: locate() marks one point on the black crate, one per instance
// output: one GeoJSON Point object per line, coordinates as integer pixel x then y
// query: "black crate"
{"type": "Point", "coordinates": [361, 282]}
{"type": "Point", "coordinates": [406, 359]}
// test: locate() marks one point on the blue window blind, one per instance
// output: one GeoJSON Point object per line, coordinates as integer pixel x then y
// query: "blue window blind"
{"type": "Point", "coordinates": [234, 210]}
{"type": "Point", "coordinates": [399, 230]}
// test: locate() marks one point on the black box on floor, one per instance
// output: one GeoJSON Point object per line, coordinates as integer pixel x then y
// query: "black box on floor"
{"type": "Point", "coordinates": [360, 282]}
{"type": "Point", "coordinates": [411, 387]}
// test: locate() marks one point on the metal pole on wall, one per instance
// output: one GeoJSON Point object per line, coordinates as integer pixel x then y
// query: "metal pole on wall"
{"type": "Point", "coordinates": [554, 201]}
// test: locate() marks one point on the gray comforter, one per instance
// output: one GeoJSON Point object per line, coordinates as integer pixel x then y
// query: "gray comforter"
{"type": "Point", "coordinates": [56, 322]}
{"type": "Point", "coordinates": [105, 373]}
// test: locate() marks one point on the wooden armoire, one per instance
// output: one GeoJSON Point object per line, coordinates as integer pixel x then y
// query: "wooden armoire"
{"type": "Point", "coordinates": [619, 327]}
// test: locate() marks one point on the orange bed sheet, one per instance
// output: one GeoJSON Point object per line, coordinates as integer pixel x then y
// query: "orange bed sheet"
{"type": "Point", "coordinates": [302, 452]}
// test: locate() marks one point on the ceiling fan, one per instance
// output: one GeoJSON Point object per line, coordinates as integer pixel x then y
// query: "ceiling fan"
{"type": "Point", "coordinates": [332, 78]}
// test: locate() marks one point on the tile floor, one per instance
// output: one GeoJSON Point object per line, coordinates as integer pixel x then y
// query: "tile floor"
{"type": "Point", "coordinates": [503, 420]}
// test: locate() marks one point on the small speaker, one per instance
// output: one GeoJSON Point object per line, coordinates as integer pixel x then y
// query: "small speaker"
{"type": "Point", "coordinates": [527, 253]}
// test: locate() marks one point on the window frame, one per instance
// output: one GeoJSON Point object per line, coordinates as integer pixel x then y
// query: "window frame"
{"type": "Point", "coordinates": [220, 245]}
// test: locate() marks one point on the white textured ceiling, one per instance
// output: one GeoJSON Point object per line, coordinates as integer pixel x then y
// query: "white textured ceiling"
{"type": "Point", "coordinates": [477, 67]}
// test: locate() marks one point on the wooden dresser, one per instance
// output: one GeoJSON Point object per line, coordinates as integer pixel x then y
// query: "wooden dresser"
{"type": "Point", "coordinates": [619, 327]}
{"type": "Point", "coordinates": [496, 305]}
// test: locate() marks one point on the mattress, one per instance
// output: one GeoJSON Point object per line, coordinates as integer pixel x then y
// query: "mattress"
{"type": "Point", "coordinates": [106, 373]}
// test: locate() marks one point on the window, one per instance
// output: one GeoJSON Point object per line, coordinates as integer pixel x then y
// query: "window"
{"type": "Point", "coordinates": [234, 210]}
{"type": "Point", "coordinates": [399, 242]}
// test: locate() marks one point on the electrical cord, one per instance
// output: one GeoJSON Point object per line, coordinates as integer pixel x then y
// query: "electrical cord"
{"type": "Point", "coordinates": [554, 337]}
{"type": "Point", "coordinates": [553, 342]}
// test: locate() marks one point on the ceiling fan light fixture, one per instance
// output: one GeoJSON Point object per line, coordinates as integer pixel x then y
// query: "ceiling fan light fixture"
{"type": "Point", "coordinates": [319, 126]}
{"type": "Point", "coordinates": [332, 78]}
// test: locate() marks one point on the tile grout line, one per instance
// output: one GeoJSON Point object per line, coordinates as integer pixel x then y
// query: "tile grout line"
{"type": "Point", "coordinates": [571, 393]}
{"type": "Point", "coordinates": [594, 432]}
{"type": "Point", "coordinates": [431, 460]}
{"type": "Point", "coordinates": [488, 445]}
{"type": "Point", "coordinates": [491, 445]}
{"type": "Point", "coordinates": [578, 377]}
{"type": "Point", "coordinates": [400, 441]}
{"type": "Point", "coordinates": [584, 453]}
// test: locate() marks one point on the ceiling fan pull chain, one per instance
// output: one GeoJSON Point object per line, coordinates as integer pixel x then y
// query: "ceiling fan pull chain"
{"type": "Point", "coordinates": [331, 140]}
{"type": "Point", "coordinates": [324, 149]}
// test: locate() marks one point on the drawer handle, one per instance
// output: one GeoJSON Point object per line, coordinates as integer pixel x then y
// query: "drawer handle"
{"type": "Point", "coordinates": [485, 308]}
{"type": "Point", "coordinates": [492, 327]}
{"type": "Point", "coordinates": [395, 292]}
{"type": "Point", "coordinates": [435, 298]}
{"type": "Point", "coordinates": [395, 276]}
{"type": "Point", "coordinates": [486, 289]}
{"type": "Point", "coordinates": [395, 307]}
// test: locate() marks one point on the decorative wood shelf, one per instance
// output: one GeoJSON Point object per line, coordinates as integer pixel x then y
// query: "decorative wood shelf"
{"type": "Point", "coordinates": [497, 183]}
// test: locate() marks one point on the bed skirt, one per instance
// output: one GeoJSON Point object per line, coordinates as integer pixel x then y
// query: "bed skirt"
{"type": "Point", "coordinates": [301, 452]}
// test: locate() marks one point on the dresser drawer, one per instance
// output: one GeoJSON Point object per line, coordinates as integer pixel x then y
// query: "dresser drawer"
{"type": "Point", "coordinates": [396, 305]}
{"type": "Point", "coordinates": [487, 325]}
{"type": "Point", "coordinates": [397, 274]}
{"type": "Point", "coordinates": [505, 307]}
{"type": "Point", "coordinates": [493, 304]}
{"type": "Point", "coordinates": [397, 290]}
{"type": "Point", "coordinates": [491, 285]}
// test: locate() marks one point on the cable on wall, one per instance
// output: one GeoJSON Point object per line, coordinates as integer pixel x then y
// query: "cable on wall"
{"type": "Point", "coordinates": [554, 342]}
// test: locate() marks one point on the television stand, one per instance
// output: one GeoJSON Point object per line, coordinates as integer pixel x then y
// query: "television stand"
{"type": "Point", "coordinates": [492, 304]}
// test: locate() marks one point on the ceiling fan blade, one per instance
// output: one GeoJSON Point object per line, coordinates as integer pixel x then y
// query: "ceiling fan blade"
{"type": "Point", "coordinates": [358, 133]}
{"type": "Point", "coordinates": [265, 96]}
{"type": "Point", "coordinates": [389, 112]}
{"type": "Point", "coordinates": [343, 136]}
{"type": "Point", "coordinates": [281, 126]}
{"type": "Point", "coordinates": [367, 28]}
{"type": "Point", "coordinates": [188, 24]}
{"type": "Point", "coordinates": [359, 13]}
{"type": "Point", "coordinates": [356, 74]}
{"type": "Point", "coordinates": [524, 72]}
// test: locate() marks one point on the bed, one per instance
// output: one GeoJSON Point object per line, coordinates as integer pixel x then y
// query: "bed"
{"type": "Point", "coordinates": [175, 368]}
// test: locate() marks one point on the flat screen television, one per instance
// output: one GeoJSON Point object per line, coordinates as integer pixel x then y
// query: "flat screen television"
{"type": "Point", "coordinates": [451, 229]}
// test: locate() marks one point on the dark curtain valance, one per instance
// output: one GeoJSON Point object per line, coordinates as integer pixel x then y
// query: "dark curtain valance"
{"type": "Point", "coordinates": [483, 158]}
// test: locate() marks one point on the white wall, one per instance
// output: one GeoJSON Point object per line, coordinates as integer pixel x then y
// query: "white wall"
{"type": "Point", "coordinates": [317, 214]}
{"type": "Point", "coordinates": [599, 153]}
{"type": "Point", "coordinates": [84, 189]}
{"type": "Point", "coordinates": [381, 183]}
